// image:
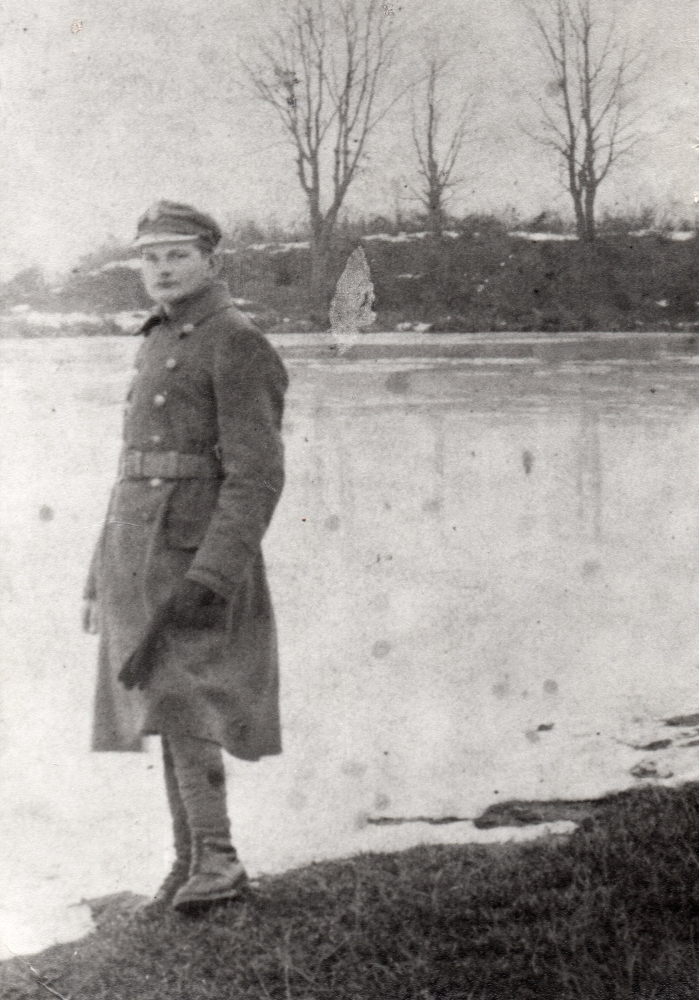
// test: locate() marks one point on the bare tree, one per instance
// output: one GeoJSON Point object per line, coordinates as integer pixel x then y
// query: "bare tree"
{"type": "Point", "coordinates": [324, 73]}
{"type": "Point", "coordinates": [437, 151]}
{"type": "Point", "coordinates": [585, 114]}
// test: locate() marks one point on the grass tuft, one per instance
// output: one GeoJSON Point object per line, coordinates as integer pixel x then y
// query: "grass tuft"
{"type": "Point", "coordinates": [612, 912]}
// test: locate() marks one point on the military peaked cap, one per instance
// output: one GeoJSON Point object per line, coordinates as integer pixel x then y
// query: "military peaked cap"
{"type": "Point", "coordinates": [172, 222]}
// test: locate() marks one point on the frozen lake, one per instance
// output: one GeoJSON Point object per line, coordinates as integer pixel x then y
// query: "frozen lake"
{"type": "Point", "coordinates": [484, 570]}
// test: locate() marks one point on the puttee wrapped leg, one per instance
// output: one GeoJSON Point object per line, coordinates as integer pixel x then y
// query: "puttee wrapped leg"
{"type": "Point", "coordinates": [215, 873]}
{"type": "Point", "coordinates": [182, 836]}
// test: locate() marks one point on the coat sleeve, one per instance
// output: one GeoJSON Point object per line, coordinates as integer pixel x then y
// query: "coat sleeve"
{"type": "Point", "coordinates": [90, 592]}
{"type": "Point", "coordinates": [249, 382]}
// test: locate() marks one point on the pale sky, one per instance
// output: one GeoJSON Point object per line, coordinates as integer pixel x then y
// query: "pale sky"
{"type": "Point", "coordinates": [143, 102]}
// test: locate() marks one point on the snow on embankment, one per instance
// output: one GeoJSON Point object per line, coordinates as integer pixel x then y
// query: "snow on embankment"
{"type": "Point", "coordinates": [23, 321]}
{"type": "Point", "coordinates": [651, 272]}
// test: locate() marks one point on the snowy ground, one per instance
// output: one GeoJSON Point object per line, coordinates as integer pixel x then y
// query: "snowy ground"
{"type": "Point", "coordinates": [365, 736]}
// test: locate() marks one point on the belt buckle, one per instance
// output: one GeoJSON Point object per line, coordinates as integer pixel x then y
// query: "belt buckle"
{"type": "Point", "coordinates": [171, 465]}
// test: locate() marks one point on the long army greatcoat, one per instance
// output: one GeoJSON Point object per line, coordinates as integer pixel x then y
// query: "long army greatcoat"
{"type": "Point", "coordinates": [201, 472]}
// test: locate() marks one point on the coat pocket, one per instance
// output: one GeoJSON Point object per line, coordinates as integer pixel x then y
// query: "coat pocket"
{"type": "Point", "coordinates": [189, 512]}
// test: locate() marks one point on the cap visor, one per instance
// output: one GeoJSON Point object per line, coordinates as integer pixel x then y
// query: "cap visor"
{"type": "Point", "coordinates": [152, 239]}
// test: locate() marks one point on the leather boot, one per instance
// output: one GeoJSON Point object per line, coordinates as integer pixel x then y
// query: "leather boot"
{"type": "Point", "coordinates": [216, 875]}
{"type": "Point", "coordinates": [179, 873]}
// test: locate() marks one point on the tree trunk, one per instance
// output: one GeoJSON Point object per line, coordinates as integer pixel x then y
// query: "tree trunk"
{"type": "Point", "coordinates": [590, 232]}
{"type": "Point", "coordinates": [576, 194]}
{"type": "Point", "coordinates": [580, 227]}
{"type": "Point", "coordinates": [434, 213]}
{"type": "Point", "coordinates": [320, 246]}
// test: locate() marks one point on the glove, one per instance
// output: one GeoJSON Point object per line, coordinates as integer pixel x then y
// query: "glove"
{"type": "Point", "coordinates": [192, 605]}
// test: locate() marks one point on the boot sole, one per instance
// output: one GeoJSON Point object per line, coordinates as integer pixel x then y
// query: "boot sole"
{"type": "Point", "coordinates": [198, 903]}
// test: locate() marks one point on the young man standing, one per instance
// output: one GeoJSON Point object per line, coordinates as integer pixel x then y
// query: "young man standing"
{"type": "Point", "coordinates": [177, 585]}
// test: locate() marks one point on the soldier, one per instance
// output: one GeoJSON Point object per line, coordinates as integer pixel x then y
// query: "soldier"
{"type": "Point", "coordinates": [177, 586]}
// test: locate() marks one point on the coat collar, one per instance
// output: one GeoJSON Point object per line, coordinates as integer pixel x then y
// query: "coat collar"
{"type": "Point", "coordinates": [192, 311]}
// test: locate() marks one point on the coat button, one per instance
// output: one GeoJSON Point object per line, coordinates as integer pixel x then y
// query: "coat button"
{"type": "Point", "coordinates": [188, 328]}
{"type": "Point", "coordinates": [156, 482]}
{"type": "Point", "coordinates": [171, 363]}
{"type": "Point", "coordinates": [159, 400]}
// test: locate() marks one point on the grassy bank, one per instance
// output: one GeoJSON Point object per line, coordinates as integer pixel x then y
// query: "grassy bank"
{"type": "Point", "coordinates": [479, 277]}
{"type": "Point", "coordinates": [609, 913]}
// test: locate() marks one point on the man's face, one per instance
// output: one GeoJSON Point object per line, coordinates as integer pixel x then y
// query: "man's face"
{"type": "Point", "coordinates": [174, 271]}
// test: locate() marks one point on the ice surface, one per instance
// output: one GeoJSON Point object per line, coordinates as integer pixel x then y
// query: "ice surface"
{"type": "Point", "coordinates": [415, 684]}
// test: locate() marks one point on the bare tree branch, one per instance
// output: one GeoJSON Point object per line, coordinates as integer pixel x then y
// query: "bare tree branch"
{"type": "Point", "coordinates": [436, 154]}
{"type": "Point", "coordinates": [584, 116]}
{"type": "Point", "coordinates": [324, 74]}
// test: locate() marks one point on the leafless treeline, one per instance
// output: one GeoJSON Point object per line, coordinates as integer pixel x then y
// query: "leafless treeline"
{"type": "Point", "coordinates": [329, 72]}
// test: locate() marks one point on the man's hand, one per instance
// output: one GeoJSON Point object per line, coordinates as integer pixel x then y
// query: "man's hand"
{"type": "Point", "coordinates": [192, 605]}
{"type": "Point", "coordinates": [91, 617]}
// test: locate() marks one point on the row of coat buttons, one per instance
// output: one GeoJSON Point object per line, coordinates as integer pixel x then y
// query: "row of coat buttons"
{"type": "Point", "coordinates": [159, 398]}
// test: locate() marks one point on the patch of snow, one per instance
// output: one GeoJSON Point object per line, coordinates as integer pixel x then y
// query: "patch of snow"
{"type": "Point", "coordinates": [409, 277]}
{"type": "Point", "coordinates": [401, 837]}
{"type": "Point", "coordinates": [19, 310]}
{"type": "Point", "coordinates": [241, 303]}
{"type": "Point", "coordinates": [541, 237]}
{"type": "Point", "coordinates": [399, 238]}
{"type": "Point", "coordinates": [678, 236]}
{"type": "Point", "coordinates": [451, 233]}
{"type": "Point", "coordinates": [57, 321]}
{"type": "Point", "coordinates": [132, 264]}
{"type": "Point", "coordinates": [276, 248]}
{"type": "Point", "coordinates": [414, 327]}
{"type": "Point", "coordinates": [662, 303]}
{"type": "Point", "coordinates": [288, 247]}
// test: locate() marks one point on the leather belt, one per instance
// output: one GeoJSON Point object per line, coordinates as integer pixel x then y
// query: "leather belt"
{"type": "Point", "coordinates": [167, 465]}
